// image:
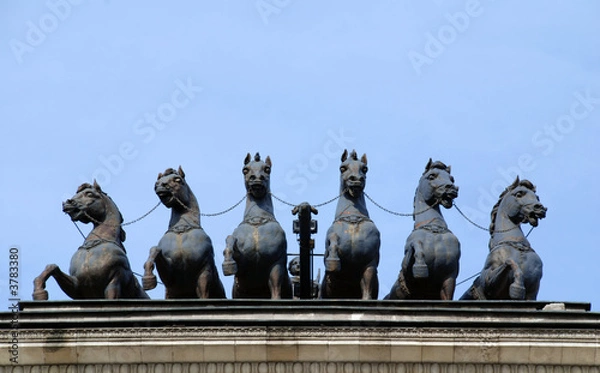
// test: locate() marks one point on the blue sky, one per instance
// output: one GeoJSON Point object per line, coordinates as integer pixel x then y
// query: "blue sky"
{"type": "Point", "coordinates": [120, 92]}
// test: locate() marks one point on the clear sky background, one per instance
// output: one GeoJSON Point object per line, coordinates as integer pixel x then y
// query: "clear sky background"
{"type": "Point", "coordinates": [120, 91]}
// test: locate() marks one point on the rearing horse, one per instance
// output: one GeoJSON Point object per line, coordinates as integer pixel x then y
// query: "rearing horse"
{"type": "Point", "coordinates": [432, 252]}
{"type": "Point", "coordinates": [184, 256]}
{"type": "Point", "coordinates": [353, 240]}
{"type": "Point", "coordinates": [256, 252]}
{"type": "Point", "coordinates": [512, 269]}
{"type": "Point", "coordinates": [99, 268]}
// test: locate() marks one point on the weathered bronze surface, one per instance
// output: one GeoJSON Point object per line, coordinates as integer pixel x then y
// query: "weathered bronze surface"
{"type": "Point", "coordinates": [99, 268]}
{"type": "Point", "coordinates": [256, 252]}
{"type": "Point", "coordinates": [512, 269]}
{"type": "Point", "coordinates": [432, 252]}
{"type": "Point", "coordinates": [352, 242]}
{"type": "Point", "coordinates": [184, 256]}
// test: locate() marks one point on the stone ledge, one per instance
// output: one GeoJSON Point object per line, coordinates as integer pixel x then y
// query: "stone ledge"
{"type": "Point", "coordinates": [156, 313]}
{"type": "Point", "coordinates": [329, 336]}
{"type": "Point", "coordinates": [300, 367]}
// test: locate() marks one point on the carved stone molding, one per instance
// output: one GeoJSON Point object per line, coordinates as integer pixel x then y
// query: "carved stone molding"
{"type": "Point", "coordinates": [299, 367]}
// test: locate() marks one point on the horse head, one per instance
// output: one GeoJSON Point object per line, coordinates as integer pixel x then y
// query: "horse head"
{"type": "Point", "coordinates": [172, 189]}
{"type": "Point", "coordinates": [436, 185]}
{"type": "Point", "coordinates": [257, 175]}
{"type": "Point", "coordinates": [92, 205]}
{"type": "Point", "coordinates": [88, 205]}
{"type": "Point", "coordinates": [520, 204]}
{"type": "Point", "coordinates": [353, 173]}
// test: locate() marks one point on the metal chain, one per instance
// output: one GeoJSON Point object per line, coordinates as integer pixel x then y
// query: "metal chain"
{"type": "Point", "coordinates": [315, 206]}
{"type": "Point", "coordinates": [226, 210]}
{"type": "Point", "coordinates": [328, 201]}
{"type": "Point", "coordinates": [143, 216]}
{"type": "Point", "coordinates": [404, 214]}
{"type": "Point", "coordinates": [469, 220]}
{"type": "Point", "coordinates": [482, 227]}
{"type": "Point", "coordinates": [282, 201]}
{"type": "Point", "coordinates": [122, 224]}
{"type": "Point", "coordinates": [206, 214]}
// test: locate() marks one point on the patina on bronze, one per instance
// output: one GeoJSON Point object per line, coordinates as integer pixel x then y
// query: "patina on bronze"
{"type": "Point", "coordinates": [432, 252]}
{"type": "Point", "coordinates": [256, 252]}
{"type": "Point", "coordinates": [512, 269]}
{"type": "Point", "coordinates": [352, 242]}
{"type": "Point", "coordinates": [99, 268]}
{"type": "Point", "coordinates": [184, 256]}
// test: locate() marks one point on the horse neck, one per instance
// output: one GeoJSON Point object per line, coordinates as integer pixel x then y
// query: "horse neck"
{"type": "Point", "coordinates": [348, 205]}
{"type": "Point", "coordinates": [262, 207]}
{"type": "Point", "coordinates": [110, 228]}
{"type": "Point", "coordinates": [506, 230]}
{"type": "Point", "coordinates": [189, 215]}
{"type": "Point", "coordinates": [425, 213]}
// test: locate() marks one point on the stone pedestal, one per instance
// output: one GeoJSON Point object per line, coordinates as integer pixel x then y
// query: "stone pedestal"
{"type": "Point", "coordinates": [194, 336]}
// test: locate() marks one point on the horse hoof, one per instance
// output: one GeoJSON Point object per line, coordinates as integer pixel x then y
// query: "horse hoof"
{"type": "Point", "coordinates": [516, 292]}
{"type": "Point", "coordinates": [229, 267]}
{"type": "Point", "coordinates": [40, 295]}
{"type": "Point", "coordinates": [149, 282]}
{"type": "Point", "coordinates": [332, 265]}
{"type": "Point", "coordinates": [420, 271]}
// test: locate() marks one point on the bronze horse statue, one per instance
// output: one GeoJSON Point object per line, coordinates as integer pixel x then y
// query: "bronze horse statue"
{"type": "Point", "coordinates": [184, 256]}
{"type": "Point", "coordinates": [99, 268]}
{"type": "Point", "coordinates": [432, 252]}
{"type": "Point", "coordinates": [352, 242]}
{"type": "Point", "coordinates": [512, 269]}
{"type": "Point", "coordinates": [256, 252]}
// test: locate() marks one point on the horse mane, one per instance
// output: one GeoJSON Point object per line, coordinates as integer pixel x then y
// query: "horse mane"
{"type": "Point", "coordinates": [517, 183]}
{"type": "Point", "coordinates": [436, 165]}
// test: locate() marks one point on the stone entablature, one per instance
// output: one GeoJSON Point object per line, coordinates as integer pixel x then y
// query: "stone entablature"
{"type": "Point", "coordinates": [303, 336]}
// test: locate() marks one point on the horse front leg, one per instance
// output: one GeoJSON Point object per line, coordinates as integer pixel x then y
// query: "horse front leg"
{"type": "Point", "coordinates": [448, 286]}
{"type": "Point", "coordinates": [67, 283]}
{"type": "Point", "coordinates": [419, 269]}
{"type": "Point", "coordinates": [114, 289]}
{"type": "Point", "coordinates": [149, 281]}
{"type": "Point", "coordinates": [369, 284]}
{"type": "Point", "coordinates": [516, 290]}
{"type": "Point", "coordinates": [332, 259]}
{"type": "Point", "coordinates": [495, 280]}
{"type": "Point", "coordinates": [229, 265]}
{"type": "Point", "coordinates": [276, 281]}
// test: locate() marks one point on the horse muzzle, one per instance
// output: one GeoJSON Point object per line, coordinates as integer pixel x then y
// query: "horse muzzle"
{"type": "Point", "coordinates": [534, 213]}
{"type": "Point", "coordinates": [71, 208]}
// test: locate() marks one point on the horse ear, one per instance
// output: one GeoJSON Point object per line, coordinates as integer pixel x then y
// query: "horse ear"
{"type": "Point", "coordinates": [96, 186]}
{"type": "Point", "coordinates": [449, 169]}
{"type": "Point", "coordinates": [159, 175]}
{"type": "Point", "coordinates": [363, 159]}
{"type": "Point", "coordinates": [345, 155]}
{"type": "Point", "coordinates": [180, 172]}
{"type": "Point", "coordinates": [428, 165]}
{"type": "Point", "coordinates": [515, 183]}
{"type": "Point", "coordinates": [268, 161]}
{"type": "Point", "coordinates": [247, 159]}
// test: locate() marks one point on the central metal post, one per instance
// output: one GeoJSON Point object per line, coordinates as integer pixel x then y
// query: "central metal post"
{"type": "Point", "coordinates": [305, 227]}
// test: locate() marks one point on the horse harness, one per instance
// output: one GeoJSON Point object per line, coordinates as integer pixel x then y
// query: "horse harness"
{"type": "Point", "coordinates": [352, 219]}
{"type": "Point", "coordinates": [433, 228]}
{"type": "Point", "coordinates": [520, 246]}
{"type": "Point", "coordinates": [258, 220]}
{"type": "Point", "coordinates": [93, 243]}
